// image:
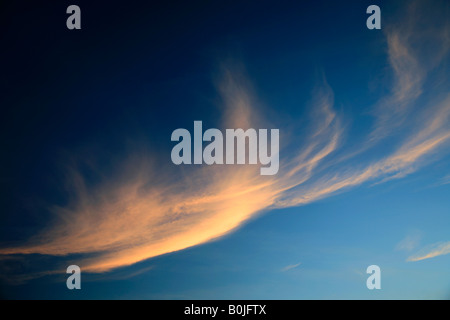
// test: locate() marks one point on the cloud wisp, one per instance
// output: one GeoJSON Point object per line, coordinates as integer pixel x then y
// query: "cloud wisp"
{"type": "Point", "coordinates": [145, 211]}
{"type": "Point", "coordinates": [435, 250]}
{"type": "Point", "coordinates": [290, 267]}
{"type": "Point", "coordinates": [410, 242]}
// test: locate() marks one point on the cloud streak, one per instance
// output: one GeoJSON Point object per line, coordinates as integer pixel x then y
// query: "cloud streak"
{"type": "Point", "coordinates": [292, 266]}
{"type": "Point", "coordinates": [409, 243]}
{"type": "Point", "coordinates": [435, 250]}
{"type": "Point", "coordinates": [147, 211]}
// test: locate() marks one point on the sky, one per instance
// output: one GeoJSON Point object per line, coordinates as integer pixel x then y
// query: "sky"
{"type": "Point", "coordinates": [86, 174]}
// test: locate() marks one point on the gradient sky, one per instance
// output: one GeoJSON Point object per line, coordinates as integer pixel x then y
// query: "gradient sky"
{"type": "Point", "coordinates": [86, 176]}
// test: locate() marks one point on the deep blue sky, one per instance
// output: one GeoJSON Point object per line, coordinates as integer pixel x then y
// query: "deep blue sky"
{"type": "Point", "coordinates": [136, 71]}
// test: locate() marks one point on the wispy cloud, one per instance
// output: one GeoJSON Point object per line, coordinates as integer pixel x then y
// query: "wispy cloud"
{"type": "Point", "coordinates": [410, 242]}
{"type": "Point", "coordinates": [435, 250]}
{"type": "Point", "coordinates": [444, 180]}
{"type": "Point", "coordinates": [410, 64]}
{"type": "Point", "coordinates": [148, 210]}
{"type": "Point", "coordinates": [292, 266]}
